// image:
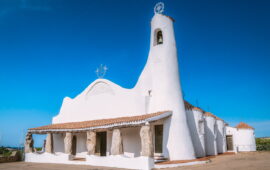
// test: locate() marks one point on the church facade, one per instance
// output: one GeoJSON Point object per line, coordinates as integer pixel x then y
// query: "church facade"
{"type": "Point", "coordinates": [107, 125]}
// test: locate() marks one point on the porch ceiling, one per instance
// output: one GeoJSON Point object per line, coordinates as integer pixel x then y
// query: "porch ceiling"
{"type": "Point", "coordinates": [101, 123]}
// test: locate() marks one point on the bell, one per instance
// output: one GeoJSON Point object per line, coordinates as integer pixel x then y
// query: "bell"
{"type": "Point", "coordinates": [160, 41]}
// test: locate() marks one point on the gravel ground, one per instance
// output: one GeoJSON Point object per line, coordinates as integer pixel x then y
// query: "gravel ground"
{"type": "Point", "coordinates": [241, 161]}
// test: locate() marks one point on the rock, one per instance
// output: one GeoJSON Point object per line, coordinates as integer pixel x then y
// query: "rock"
{"type": "Point", "coordinates": [68, 143]}
{"type": "Point", "coordinates": [49, 143]}
{"type": "Point", "coordinates": [146, 141]}
{"type": "Point", "coordinates": [91, 142]}
{"type": "Point", "coordinates": [117, 143]}
{"type": "Point", "coordinates": [29, 143]}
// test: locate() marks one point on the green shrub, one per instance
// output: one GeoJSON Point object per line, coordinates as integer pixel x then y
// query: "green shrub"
{"type": "Point", "coordinates": [38, 148]}
{"type": "Point", "coordinates": [4, 151]}
{"type": "Point", "coordinates": [263, 144]}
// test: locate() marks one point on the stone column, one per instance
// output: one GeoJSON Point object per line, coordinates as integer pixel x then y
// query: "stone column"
{"type": "Point", "coordinates": [29, 143]}
{"type": "Point", "coordinates": [117, 143]}
{"type": "Point", "coordinates": [146, 141]}
{"type": "Point", "coordinates": [91, 142]}
{"type": "Point", "coordinates": [49, 143]}
{"type": "Point", "coordinates": [68, 143]}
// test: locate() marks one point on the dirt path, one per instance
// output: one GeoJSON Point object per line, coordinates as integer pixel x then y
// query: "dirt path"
{"type": "Point", "coordinates": [241, 161]}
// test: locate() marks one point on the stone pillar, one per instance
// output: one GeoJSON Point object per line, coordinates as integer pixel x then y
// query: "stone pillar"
{"type": "Point", "coordinates": [49, 143]}
{"type": "Point", "coordinates": [117, 143]}
{"type": "Point", "coordinates": [29, 143]}
{"type": "Point", "coordinates": [146, 141]}
{"type": "Point", "coordinates": [68, 143]}
{"type": "Point", "coordinates": [91, 142]}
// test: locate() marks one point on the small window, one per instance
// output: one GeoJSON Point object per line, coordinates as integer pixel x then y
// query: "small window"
{"type": "Point", "coordinates": [158, 37]}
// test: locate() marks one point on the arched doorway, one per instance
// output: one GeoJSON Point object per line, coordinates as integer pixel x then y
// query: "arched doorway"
{"type": "Point", "coordinates": [74, 145]}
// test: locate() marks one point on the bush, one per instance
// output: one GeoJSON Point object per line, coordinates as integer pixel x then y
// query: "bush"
{"type": "Point", "coordinates": [263, 144]}
{"type": "Point", "coordinates": [38, 148]}
{"type": "Point", "coordinates": [4, 151]}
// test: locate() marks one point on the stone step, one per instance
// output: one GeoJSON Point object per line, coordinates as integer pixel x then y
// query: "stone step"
{"type": "Point", "coordinates": [160, 158]}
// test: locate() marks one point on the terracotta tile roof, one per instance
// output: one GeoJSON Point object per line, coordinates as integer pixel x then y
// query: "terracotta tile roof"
{"type": "Point", "coordinates": [212, 115]}
{"type": "Point", "coordinates": [102, 123]}
{"type": "Point", "coordinates": [243, 125]}
{"type": "Point", "coordinates": [188, 106]}
{"type": "Point", "coordinates": [209, 114]}
{"type": "Point", "coordinates": [197, 108]}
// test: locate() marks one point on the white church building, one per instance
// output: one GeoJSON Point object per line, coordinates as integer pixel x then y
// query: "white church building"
{"type": "Point", "coordinates": [107, 125]}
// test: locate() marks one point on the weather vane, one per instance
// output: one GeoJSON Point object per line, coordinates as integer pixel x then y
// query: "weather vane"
{"type": "Point", "coordinates": [159, 8]}
{"type": "Point", "coordinates": [101, 71]}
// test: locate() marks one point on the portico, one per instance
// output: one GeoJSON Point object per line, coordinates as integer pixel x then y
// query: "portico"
{"type": "Point", "coordinates": [127, 137]}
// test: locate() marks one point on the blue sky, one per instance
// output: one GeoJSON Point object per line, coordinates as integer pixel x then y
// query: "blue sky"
{"type": "Point", "coordinates": [50, 49]}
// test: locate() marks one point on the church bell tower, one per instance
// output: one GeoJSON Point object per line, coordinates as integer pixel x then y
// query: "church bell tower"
{"type": "Point", "coordinates": [161, 76]}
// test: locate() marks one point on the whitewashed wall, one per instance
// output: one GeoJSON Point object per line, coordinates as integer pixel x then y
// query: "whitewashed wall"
{"type": "Point", "coordinates": [161, 76]}
{"type": "Point", "coordinates": [221, 136]}
{"type": "Point", "coordinates": [81, 149]}
{"type": "Point", "coordinates": [104, 99]}
{"type": "Point", "coordinates": [196, 125]}
{"type": "Point", "coordinates": [58, 142]}
{"type": "Point", "coordinates": [232, 131]}
{"type": "Point", "coordinates": [101, 99]}
{"type": "Point", "coordinates": [210, 135]}
{"type": "Point", "coordinates": [243, 139]}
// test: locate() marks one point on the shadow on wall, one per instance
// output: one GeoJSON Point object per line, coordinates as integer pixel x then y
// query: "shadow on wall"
{"type": "Point", "coordinates": [198, 147]}
{"type": "Point", "coordinates": [220, 142]}
{"type": "Point", "coordinates": [209, 141]}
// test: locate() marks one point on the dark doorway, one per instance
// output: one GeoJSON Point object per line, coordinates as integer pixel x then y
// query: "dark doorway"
{"type": "Point", "coordinates": [158, 138]}
{"type": "Point", "coordinates": [74, 145]}
{"type": "Point", "coordinates": [101, 143]}
{"type": "Point", "coordinates": [229, 141]}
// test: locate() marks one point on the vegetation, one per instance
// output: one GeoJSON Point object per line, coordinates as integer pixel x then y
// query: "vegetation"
{"type": "Point", "coordinates": [263, 144]}
{"type": "Point", "coordinates": [38, 148]}
{"type": "Point", "coordinates": [4, 151]}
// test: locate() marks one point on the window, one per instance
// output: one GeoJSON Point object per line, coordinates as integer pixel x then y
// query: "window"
{"type": "Point", "coordinates": [158, 37]}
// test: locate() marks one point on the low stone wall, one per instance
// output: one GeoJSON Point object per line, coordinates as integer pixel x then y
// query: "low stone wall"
{"type": "Point", "coordinates": [15, 156]}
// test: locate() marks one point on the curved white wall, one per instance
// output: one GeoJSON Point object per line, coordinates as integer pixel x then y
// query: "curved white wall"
{"type": "Point", "coordinates": [101, 99]}
{"type": "Point", "coordinates": [210, 135]}
{"type": "Point", "coordinates": [246, 140]}
{"type": "Point", "coordinates": [164, 83]}
{"type": "Point", "coordinates": [196, 125]}
{"type": "Point", "coordinates": [104, 99]}
{"type": "Point", "coordinates": [221, 136]}
{"type": "Point", "coordinates": [243, 139]}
